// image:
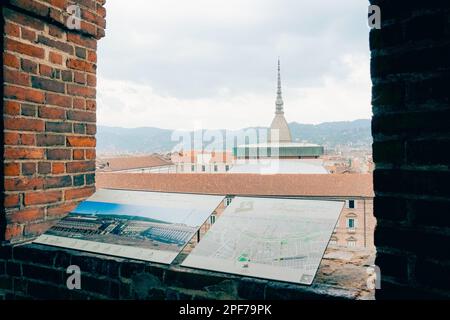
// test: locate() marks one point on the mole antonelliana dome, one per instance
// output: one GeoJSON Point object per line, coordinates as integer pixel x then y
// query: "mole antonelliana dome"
{"type": "Point", "coordinates": [279, 129]}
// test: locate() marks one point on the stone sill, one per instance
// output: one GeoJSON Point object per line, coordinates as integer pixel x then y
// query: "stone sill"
{"type": "Point", "coordinates": [42, 275]}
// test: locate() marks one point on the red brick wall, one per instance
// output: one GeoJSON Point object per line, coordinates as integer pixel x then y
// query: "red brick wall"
{"type": "Point", "coordinates": [411, 80]}
{"type": "Point", "coordinates": [49, 112]}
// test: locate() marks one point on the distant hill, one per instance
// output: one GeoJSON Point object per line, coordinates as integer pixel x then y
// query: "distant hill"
{"type": "Point", "coordinates": [117, 140]}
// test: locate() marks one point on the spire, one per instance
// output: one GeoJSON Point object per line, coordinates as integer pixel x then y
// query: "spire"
{"type": "Point", "coordinates": [279, 102]}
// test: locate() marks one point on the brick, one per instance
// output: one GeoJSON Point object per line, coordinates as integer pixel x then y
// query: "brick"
{"type": "Point", "coordinates": [411, 240]}
{"type": "Point", "coordinates": [26, 215]}
{"type": "Point", "coordinates": [91, 105]}
{"type": "Point", "coordinates": [11, 200]}
{"type": "Point", "coordinates": [52, 113]}
{"type": "Point", "coordinates": [24, 48]}
{"type": "Point", "coordinates": [58, 182]}
{"type": "Point", "coordinates": [392, 150]}
{"type": "Point", "coordinates": [23, 20]}
{"type": "Point", "coordinates": [58, 167]}
{"type": "Point", "coordinates": [79, 77]}
{"type": "Point", "coordinates": [47, 84]}
{"type": "Point", "coordinates": [29, 66]}
{"type": "Point", "coordinates": [78, 180]}
{"type": "Point", "coordinates": [13, 269]}
{"type": "Point", "coordinates": [60, 45]}
{"type": "Point", "coordinates": [79, 128]}
{"type": "Point", "coordinates": [80, 141]}
{"type": "Point", "coordinates": [24, 124]}
{"type": "Point", "coordinates": [13, 231]}
{"type": "Point", "coordinates": [390, 208]}
{"type": "Point", "coordinates": [55, 58]}
{"type": "Point", "coordinates": [63, 127]}
{"type": "Point", "coordinates": [23, 184]}
{"type": "Point", "coordinates": [59, 154]}
{"type": "Point", "coordinates": [393, 265]}
{"type": "Point", "coordinates": [78, 154]}
{"type": "Point", "coordinates": [80, 52]}
{"type": "Point", "coordinates": [24, 153]}
{"type": "Point", "coordinates": [50, 140]}
{"type": "Point", "coordinates": [82, 91]}
{"type": "Point", "coordinates": [27, 139]}
{"type": "Point", "coordinates": [28, 110]}
{"type": "Point", "coordinates": [55, 31]}
{"type": "Point", "coordinates": [11, 60]}
{"type": "Point", "coordinates": [12, 169]}
{"type": "Point", "coordinates": [44, 167]}
{"type": "Point", "coordinates": [46, 71]}
{"type": "Point", "coordinates": [42, 197]}
{"type": "Point", "coordinates": [92, 56]}
{"type": "Point", "coordinates": [90, 178]}
{"type": "Point", "coordinates": [36, 7]}
{"type": "Point", "coordinates": [428, 152]}
{"type": "Point", "coordinates": [81, 116]}
{"type": "Point", "coordinates": [91, 129]}
{"type": "Point", "coordinates": [67, 75]}
{"type": "Point", "coordinates": [91, 80]}
{"type": "Point", "coordinates": [32, 254]}
{"type": "Point", "coordinates": [12, 29]}
{"type": "Point", "coordinates": [16, 77]}
{"type": "Point", "coordinates": [432, 274]}
{"type": "Point", "coordinates": [90, 154]}
{"type": "Point", "coordinates": [79, 103]}
{"type": "Point", "coordinates": [42, 273]}
{"type": "Point", "coordinates": [82, 40]}
{"type": "Point", "coordinates": [24, 94]}
{"type": "Point", "coordinates": [417, 182]}
{"type": "Point", "coordinates": [80, 166]}
{"type": "Point", "coordinates": [82, 193]}
{"type": "Point", "coordinates": [88, 27]}
{"type": "Point", "coordinates": [57, 15]}
{"type": "Point", "coordinates": [412, 124]}
{"type": "Point", "coordinates": [101, 11]}
{"type": "Point", "coordinates": [11, 108]}
{"type": "Point", "coordinates": [11, 138]}
{"type": "Point", "coordinates": [81, 65]}
{"type": "Point", "coordinates": [28, 168]}
{"type": "Point", "coordinates": [58, 100]}
{"type": "Point", "coordinates": [428, 91]}
{"type": "Point", "coordinates": [430, 213]}
{"type": "Point", "coordinates": [28, 34]}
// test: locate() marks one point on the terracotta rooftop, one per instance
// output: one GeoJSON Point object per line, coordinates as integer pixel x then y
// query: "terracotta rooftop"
{"type": "Point", "coordinates": [337, 185]}
{"type": "Point", "coordinates": [192, 156]}
{"type": "Point", "coordinates": [131, 162]}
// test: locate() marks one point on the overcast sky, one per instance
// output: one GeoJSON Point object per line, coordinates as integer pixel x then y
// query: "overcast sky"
{"type": "Point", "coordinates": [212, 63]}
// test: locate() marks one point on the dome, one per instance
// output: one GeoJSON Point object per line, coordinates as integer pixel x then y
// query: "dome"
{"type": "Point", "coordinates": [279, 129]}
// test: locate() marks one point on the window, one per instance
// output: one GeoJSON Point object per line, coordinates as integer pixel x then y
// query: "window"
{"type": "Point", "coordinates": [203, 168]}
{"type": "Point", "coordinates": [351, 223]}
{"type": "Point", "coordinates": [192, 168]}
{"type": "Point", "coordinates": [351, 243]}
{"type": "Point", "coordinates": [215, 168]}
{"type": "Point", "coordinates": [351, 204]}
{"type": "Point", "coordinates": [212, 219]}
{"type": "Point", "coordinates": [228, 201]}
{"type": "Point", "coordinates": [227, 167]}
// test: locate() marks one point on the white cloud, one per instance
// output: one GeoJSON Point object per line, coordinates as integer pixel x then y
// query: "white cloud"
{"type": "Point", "coordinates": [129, 104]}
{"type": "Point", "coordinates": [173, 64]}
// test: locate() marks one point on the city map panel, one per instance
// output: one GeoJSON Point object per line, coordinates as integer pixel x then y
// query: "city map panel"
{"type": "Point", "coordinates": [148, 226]}
{"type": "Point", "coordinates": [278, 239]}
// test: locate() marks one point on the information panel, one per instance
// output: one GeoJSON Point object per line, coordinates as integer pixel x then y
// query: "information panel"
{"type": "Point", "coordinates": [278, 239]}
{"type": "Point", "coordinates": [149, 226]}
